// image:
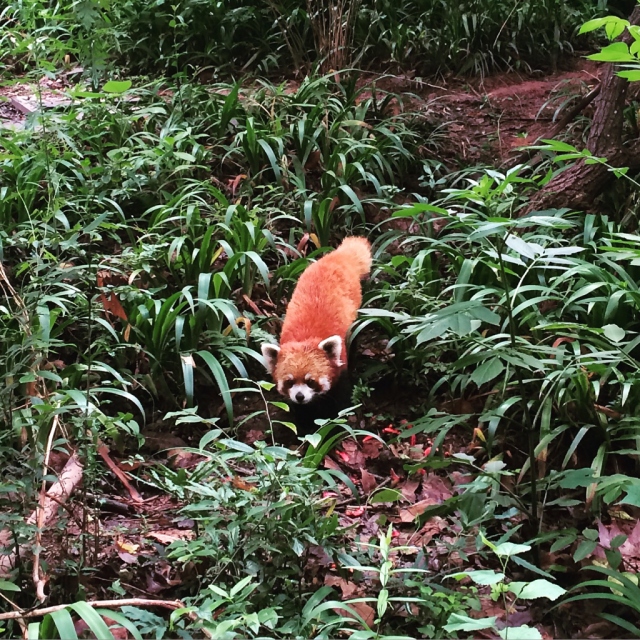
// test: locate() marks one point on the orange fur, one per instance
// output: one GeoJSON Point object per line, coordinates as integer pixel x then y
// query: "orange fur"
{"type": "Point", "coordinates": [325, 303]}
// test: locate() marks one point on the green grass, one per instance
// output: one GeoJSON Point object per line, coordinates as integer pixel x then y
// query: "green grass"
{"type": "Point", "coordinates": [426, 36]}
{"type": "Point", "coordinates": [143, 224]}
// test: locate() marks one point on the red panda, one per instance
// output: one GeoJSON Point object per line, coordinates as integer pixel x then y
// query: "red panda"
{"type": "Point", "coordinates": [312, 353]}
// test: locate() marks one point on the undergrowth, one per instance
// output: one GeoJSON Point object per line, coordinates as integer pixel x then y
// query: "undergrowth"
{"type": "Point", "coordinates": [151, 231]}
{"type": "Point", "coordinates": [424, 36]}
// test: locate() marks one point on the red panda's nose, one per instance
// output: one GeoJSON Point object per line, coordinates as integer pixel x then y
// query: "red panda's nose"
{"type": "Point", "coordinates": [299, 396]}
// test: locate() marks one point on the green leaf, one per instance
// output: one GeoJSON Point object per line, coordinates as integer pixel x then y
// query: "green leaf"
{"type": "Point", "coordinates": [614, 28]}
{"type": "Point", "coordinates": [539, 588]}
{"type": "Point", "coordinates": [631, 76]}
{"type": "Point", "coordinates": [585, 548]}
{"type": "Point", "coordinates": [632, 496]}
{"type": "Point", "coordinates": [484, 577]}
{"type": "Point", "coordinates": [489, 370]}
{"type": "Point", "coordinates": [314, 439]}
{"type": "Point", "coordinates": [520, 633]}
{"type": "Point", "coordinates": [613, 332]}
{"type": "Point", "coordinates": [33, 631]}
{"type": "Point", "coordinates": [187, 157]}
{"type": "Point", "coordinates": [64, 624]}
{"type": "Point", "coordinates": [557, 145]}
{"type": "Point", "coordinates": [417, 209]}
{"type": "Point", "coordinates": [577, 478]}
{"type": "Point", "coordinates": [5, 585]}
{"type": "Point", "coordinates": [385, 495]}
{"type": "Point", "coordinates": [383, 601]}
{"type": "Point", "coordinates": [218, 373]}
{"type": "Point", "coordinates": [458, 622]}
{"type": "Point", "coordinates": [522, 248]}
{"type": "Point", "coordinates": [237, 588]}
{"type": "Point", "coordinates": [114, 86]}
{"type": "Point", "coordinates": [208, 437]}
{"type": "Point", "coordinates": [351, 194]}
{"type": "Point", "coordinates": [615, 52]}
{"type": "Point", "coordinates": [592, 25]}
{"type": "Point", "coordinates": [96, 624]}
{"type": "Point", "coordinates": [621, 622]}
{"type": "Point", "coordinates": [509, 549]}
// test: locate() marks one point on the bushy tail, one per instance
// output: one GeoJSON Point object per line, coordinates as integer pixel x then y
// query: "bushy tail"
{"type": "Point", "coordinates": [359, 251]}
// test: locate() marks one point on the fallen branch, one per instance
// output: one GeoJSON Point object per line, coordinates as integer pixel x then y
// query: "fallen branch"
{"type": "Point", "coordinates": [103, 452]}
{"type": "Point", "coordinates": [58, 492]}
{"type": "Point", "coordinates": [106, 604]}
{"type": "Point", "coordinates": [38, 579]}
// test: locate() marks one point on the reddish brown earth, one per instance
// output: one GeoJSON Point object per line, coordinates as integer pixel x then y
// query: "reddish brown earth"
{"type": "Point", "coordinates": [484, 120]}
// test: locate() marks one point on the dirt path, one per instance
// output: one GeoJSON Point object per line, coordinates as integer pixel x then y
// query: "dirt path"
{"type": "Point", "coordinates": [486, 120]}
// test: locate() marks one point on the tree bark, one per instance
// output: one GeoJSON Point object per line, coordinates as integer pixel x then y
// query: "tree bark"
{"type": "Point", "coordinates": [581, 184]}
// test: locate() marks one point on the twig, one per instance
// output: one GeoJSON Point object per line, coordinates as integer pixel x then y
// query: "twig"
{"type": "Point", "coordinates": [107, 604]}
{"type": "Point", "coordinates": [109, 504]}
{"type": "Point", "coordinates": [38, 579]}
{"type": "Point", "coordinates": [103, 451]}
{"type": "Point", "coordinates": [21, 622]}
{"type": "Point", "coordinates": [59, 491]}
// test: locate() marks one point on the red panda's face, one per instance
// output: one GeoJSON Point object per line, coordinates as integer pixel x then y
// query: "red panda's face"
{"type": "Point", "coordinates": [302, 375]}
{"type": "Point", "coordinates": [302, 372]}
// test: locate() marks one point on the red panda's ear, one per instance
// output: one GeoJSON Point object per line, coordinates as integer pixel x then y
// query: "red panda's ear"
{"type": "Point", "coordinates": [333, 348]}
{"type": "Point", "coordinates": [270, 354]}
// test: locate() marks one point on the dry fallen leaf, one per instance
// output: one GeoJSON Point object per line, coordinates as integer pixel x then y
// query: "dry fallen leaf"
{"type": "Point", "coordinates": [171, 535]}
{"type": "Point", "coordinates": [347, 588]}
{"type": "Point", "coordinates": [629, 549]}
{"type": "Point", "coordinates": [436, 488]}
{"type": "Point", "coordinates": [409, 488]}
{"type": "Point", "coordinates": [241, 483]}
{"type": "Point", "coordinates": [369, 482]}
{"type": "Point", "coordinates": [415, 510]}
{"type": "Point", "coordinates": [356, 457]}
{"type": "Point", "coordinates": [128, 547]}
{"type": "Point", "coordinates": [127, 557]}
{"type": "Point", "coordinates": [366, 612]}
{"type": "Point", "coordinates": [371, 448]}
{"type": "Point", "coordinates": [330, 463]}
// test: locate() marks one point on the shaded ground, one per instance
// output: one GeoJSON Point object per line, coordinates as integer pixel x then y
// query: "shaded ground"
{"type": "Point", "coordinates": [488, 119]}
{"type": "Point", "coordinates": [479, 122]}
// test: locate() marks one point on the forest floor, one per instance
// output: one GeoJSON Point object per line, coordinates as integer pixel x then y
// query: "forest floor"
{"type": "Point", "coordinates": [480, 121]}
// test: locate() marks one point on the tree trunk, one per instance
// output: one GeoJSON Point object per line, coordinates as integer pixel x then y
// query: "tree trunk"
{"type": "Point", "coordinates": [581, 184]}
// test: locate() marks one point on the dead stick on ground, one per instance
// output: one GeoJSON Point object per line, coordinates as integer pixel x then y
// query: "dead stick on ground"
{"type": "Point", "coordinates": [21, 622]}
{"type": "Point", "coordinates": [58, 492]}
{"type": "Point", "coordinates": [106, 604]}
{"type": "Point", "coordinates": [103, 452]}
{"type": "Point", "coordinates": [38, 580]}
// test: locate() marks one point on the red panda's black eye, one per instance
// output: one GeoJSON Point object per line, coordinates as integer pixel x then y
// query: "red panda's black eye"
{"type": "Point", "coordinates": [288, 384]}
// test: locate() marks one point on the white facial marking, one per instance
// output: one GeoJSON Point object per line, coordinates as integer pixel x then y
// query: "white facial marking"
{"type": "Point", "coordinates": [301, 393]}
{"type": "Point", "coordinates": [282, 382]}
{"type": "Point", "coordinates": [324, 383]}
